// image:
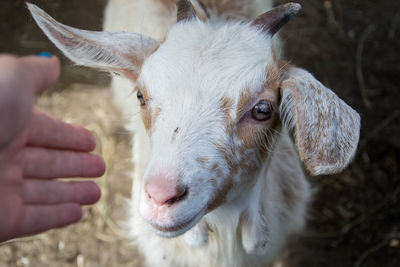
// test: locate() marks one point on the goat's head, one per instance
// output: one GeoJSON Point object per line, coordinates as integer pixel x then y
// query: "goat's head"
{"type": "Point", "coordinates": [212, 96]}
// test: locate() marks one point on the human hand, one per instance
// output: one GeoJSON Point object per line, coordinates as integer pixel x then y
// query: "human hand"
{"type": "Point", "coordinates": [36, 149]}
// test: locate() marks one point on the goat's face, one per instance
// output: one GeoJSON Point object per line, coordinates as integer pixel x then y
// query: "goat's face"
{"type": "Point", "coordinates": [209, 99]}
{"type": "Point", "coordinates": [209, 95]}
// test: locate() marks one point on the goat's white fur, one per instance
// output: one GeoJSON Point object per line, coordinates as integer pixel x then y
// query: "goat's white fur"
{"type": "Point", "coordinates": [257, 218]}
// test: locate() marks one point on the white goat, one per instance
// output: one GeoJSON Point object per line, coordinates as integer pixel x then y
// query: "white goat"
{"type": "Point", "coordinates": [215, 168]}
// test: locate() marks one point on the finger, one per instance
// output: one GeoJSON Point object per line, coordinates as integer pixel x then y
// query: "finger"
{"type": "Point", "coordinates": [39, 218]}
{"type": "Point", "coordinates": [46, 131]}
{"type": "Point", "coordinates": [52, 192]}
{"type": "Point", "coordinates": [40, 72]}
{"type": "Point", "coordinates": [46, 163]}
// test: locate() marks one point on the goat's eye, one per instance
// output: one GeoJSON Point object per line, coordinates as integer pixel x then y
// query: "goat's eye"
{"type": "Point", "coordinates": [262, 111]}
{"type": "Point", "coordinates": [141, 98]}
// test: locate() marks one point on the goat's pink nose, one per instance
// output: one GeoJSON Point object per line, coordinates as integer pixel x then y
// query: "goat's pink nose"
{"type": "Point", "coordinates": [164, 191]}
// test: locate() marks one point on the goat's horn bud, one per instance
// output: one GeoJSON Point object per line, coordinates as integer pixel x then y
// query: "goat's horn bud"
{"type": "Point", "coordinates": [185, 10]}
{"type": "Point", "coordinates": [270, 22]}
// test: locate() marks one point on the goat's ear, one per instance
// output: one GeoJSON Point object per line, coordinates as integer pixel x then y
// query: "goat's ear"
{"type": "Point", "coordinates": [325, 128]}
{"type": "Point", "coordinates": [117, 52]}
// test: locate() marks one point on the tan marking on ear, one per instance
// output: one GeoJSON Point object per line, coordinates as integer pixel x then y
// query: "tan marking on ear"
{"type": "Point", "coordinates": [308, 142]}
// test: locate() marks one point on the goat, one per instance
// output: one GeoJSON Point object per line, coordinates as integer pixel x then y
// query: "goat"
{"type": "Point", "coordinates": [218, 180]}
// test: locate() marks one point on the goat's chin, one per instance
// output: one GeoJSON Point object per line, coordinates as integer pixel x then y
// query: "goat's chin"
{"type": "Point", "coordinates": [176, 229]}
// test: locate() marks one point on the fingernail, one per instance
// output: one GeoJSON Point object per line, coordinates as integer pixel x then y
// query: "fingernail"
{"type": "Point", "coordinates": [44, 54]}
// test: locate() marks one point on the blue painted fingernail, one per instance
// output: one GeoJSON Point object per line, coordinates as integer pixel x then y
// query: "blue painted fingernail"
{"type": "Point", "coordinates": [44, 54]}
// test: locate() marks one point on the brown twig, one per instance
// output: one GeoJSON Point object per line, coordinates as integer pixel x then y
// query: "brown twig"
{"type": "Point", "coordinates": [332, 21]}
{"type": "Point", "coordinates": [359, 72]}
{"type": "Point", "coordinates": [393, 28]}
{"type": "Point", "coordinates": [371, 250]}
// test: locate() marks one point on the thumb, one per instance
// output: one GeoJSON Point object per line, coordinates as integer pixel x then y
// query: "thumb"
{"type": "Point", "coordinates": [41, 72]}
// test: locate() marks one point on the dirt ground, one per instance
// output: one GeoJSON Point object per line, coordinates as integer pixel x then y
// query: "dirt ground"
{"type": "Point", "coordinates": [352, 46]}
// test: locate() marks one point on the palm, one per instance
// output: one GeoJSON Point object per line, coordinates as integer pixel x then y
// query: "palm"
{"type": "Point", "coordinates": [31, 200]}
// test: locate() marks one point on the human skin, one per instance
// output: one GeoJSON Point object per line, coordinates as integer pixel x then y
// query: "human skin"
{"type": "Point", "coordinates": [35, 150]}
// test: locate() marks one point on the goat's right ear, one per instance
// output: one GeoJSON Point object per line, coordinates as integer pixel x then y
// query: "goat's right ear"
{"type": "Point", "coordinates": [116, 52]}
{"type": "Point", "coordinates": [325, 128]}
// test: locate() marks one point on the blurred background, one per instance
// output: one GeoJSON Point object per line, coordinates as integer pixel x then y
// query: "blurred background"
{"type": "Point", "coordinates": [352, 46]}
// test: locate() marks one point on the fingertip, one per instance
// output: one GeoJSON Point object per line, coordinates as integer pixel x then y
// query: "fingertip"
{"type": "Point", "coordinates": [72, 214]}
{"type": "Point", "coordinates": [85, 140]}
{"type": "Point", "coordinates": [91, 140]}
{"type": "Point", "coordinates": [92, 193]}
{"type": "Point", "coordinates": [93, 166]}
{"type": "Point", "coordinates": [54, 70]}
{"type": "Point", "coordinates": [101, 166]}
{"type": "Point", "coordinates": [97, 193]}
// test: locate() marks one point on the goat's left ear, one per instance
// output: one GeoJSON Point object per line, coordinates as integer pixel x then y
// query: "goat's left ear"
{"type": "Point", "coordinates": [121, 52]}
{"type": "Point", "coordinates": [325, 128]}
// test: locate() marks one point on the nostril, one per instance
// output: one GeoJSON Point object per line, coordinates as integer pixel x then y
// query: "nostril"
{"type": "Point", "coordinates": [180, 197]}
{"type": "Point", "coordinates": [160, 191]}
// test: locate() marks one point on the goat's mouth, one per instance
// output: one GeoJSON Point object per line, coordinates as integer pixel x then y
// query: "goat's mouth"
{"type": "Point", "coordinates": [174, 230]}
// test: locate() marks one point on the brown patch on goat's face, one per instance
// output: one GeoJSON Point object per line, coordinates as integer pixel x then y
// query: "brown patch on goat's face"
{"type": "Point", "coordinates": [156, 114]}
{"type": "Point", "coordinates": [220, 197]}
{"type": "Point", "coordinates": [226, 105]}
{"type": "Point", "coordinates": [217, 170]}
{"type": "Point", "coordinates": [245, 157]}
{"type": "Point", "coordinates": [248, 139]}
{"type": "Point", "coordinates": [244, 100]}
{"type": "Point", "coordinates": [234, 165]}
{"type": "Point", "coordinates": [146, 113]}
{"type": "Point", "coordinates": [257, 135]}
{"type": "Point", "coordinates": [176, 131]}
{"type": "Point", "coordinates": [146, 118]}
{"type": "Point", "coordinates": [202, 161]}
{"type": "Point", "coordinates": [272, 81]}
